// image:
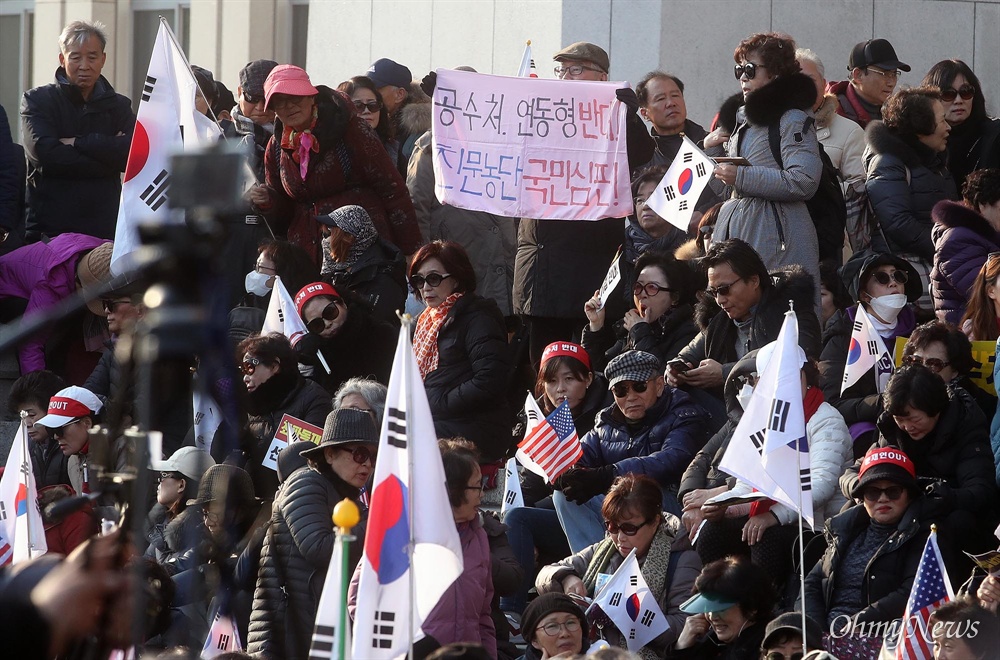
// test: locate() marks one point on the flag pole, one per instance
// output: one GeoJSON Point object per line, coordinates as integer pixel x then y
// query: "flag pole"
{"type": "Point", "coordinates": [407, 321]}
{"type": "Point", "coordinates": [802, 551]}
{"type": "Point", "coordinates": [345, 517]}
{"type": "Point", "coordinates": [25, 460]}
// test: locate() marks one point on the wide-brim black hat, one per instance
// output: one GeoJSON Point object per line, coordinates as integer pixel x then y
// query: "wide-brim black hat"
{"type": "Point", "coordinates": [345, 426]}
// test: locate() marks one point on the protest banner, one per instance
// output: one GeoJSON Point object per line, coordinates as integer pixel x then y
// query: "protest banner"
{"type": "Point", "coordinates": [983, 352]}
{"type": "Point", "coordinates": [611, 280]}
{"type": "Point", "coordinates": [542, 149]}
{"type": "Point", "coordinates": [290, 429]}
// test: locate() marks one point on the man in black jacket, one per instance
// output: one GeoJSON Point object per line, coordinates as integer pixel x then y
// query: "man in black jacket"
{"type": "Point", "coordinates": [77, 133]}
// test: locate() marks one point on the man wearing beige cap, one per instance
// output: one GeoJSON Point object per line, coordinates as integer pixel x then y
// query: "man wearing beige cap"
{"type": "Point", "coordinates": [560, 263]}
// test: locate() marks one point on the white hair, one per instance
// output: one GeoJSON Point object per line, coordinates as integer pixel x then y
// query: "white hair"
{"type": "Point", "coordinates": [370, 390]}
{"type": "Point", "coordinates": [811, 56]}
{"type": "Point", "coordinates": [78, 32]}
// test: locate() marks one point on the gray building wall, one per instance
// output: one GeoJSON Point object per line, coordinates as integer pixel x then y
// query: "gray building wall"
{"type": "Point", "coordinates": [693, 39]}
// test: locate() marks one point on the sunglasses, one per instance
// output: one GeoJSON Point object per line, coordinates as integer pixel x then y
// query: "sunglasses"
{"type": "Point", "coordinates": [361, 455]}
{"type": "Point", "coordinates": [418, 281]}
{"type": "Point", "coordinates": [650, 289]}
{"type": "Point", "coordinates": [111, 305]}
{"type": "Point", "coordinates": [61, 431]}
{"type": "Point", "coordinates": [330, 313]}
{"type": "Point", "coordinates": [370, 106]}
{"type": "Point", "coordinates": [251, 98]}
{"type": "Point", "coordinates": [628, 529]}
{"type": "Point", "coordinates": [934, 364]}
{"type": "Point", "coordinates": [778, 655]}
{"type": "Point", "coordinates": [966, 91]}
{"type": "Point", "coordinates": [884, 278]}
{"type": "Point", "coordinates": [176, 476]}
{"type": "Point", "coordinates": [722, 290]}
{"type": "Point", "coordinates": [873, 494]}
{"type": "Point", "coordinates": [749, 70]}
{"type": "Point", "coordinates": [249, 365]}
{"type": "Point", "coordinates": [621, 389]}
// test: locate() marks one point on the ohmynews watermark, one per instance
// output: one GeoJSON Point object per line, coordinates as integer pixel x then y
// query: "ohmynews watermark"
{"type": "Point", "coordinates": [847, 626]}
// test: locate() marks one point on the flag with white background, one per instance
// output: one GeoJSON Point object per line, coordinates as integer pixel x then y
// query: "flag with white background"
{"type": "Point", "coordinates": [678, 191]}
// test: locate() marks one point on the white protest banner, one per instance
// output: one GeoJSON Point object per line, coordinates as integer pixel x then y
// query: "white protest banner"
{"type": "Point", "coordinates": [543, 149]}
{"type": "Point", "coordinates": [678, 191]}
{"type": "Point", "coordinates": [611, 281]}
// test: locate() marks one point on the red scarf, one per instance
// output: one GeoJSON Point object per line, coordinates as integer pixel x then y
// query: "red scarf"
{"type": "Point", "coordinates": [301, 143]}
{"type": "Point", "coordinates": [425, 337]}
{"type": "Point", "coordinates": [810, 404]}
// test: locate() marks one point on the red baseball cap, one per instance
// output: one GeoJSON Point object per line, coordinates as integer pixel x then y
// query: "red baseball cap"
{"type": "Point", "coordinates": [566, 349]}
{"type": "Point", "coordinates": [310, 291]}
{"type": "Point", "coordinates": [68, 404]}
{"type": "Point", "coordinates": [887, 463]}
{"type": "Point", "coordinates": [287, 79]}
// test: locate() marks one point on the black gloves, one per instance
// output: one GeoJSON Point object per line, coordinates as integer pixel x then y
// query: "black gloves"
{"type": "Point", "coordinates": [306, 348]}
{"type": "Point", "coordinates": [941, 491]}
{"type": "Point", "coordinates": [581, 484]}
{"type": "Point", "coordinates": [627, 96]}
{"type": "Point", "coordinates": [428, 83]}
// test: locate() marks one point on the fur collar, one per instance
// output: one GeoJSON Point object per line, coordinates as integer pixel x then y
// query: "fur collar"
{"type": "Point", "coordinates": [415, 117]}
{"type": "Point", "coordinates": [883, 141]}
{"type": "Point", "coordinates": [689, 251]}
{"type": "Point", "coordinates": [824, 116]}
{"type": "Point", "coordinates": [791, 282]}
{"type": "Point", "coordinates": [951, 215]}
{"type": "Point", "coordinates": [766, 105]}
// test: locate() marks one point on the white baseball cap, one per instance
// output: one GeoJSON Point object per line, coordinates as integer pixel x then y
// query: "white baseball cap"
{"type": "Point", "coordinates": [68, 404]}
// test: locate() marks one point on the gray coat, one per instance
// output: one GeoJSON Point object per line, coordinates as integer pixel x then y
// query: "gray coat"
{"type": "Point", "coordinates": [768, 207]}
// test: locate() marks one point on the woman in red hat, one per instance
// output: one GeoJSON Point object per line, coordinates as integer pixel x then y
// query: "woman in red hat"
{"type": "Point", "coordinates": [324, 156]}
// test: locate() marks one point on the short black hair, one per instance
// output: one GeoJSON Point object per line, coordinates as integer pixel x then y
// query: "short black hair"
{"type": "Point", "coordinates": [678, 274]}
{"type": "Point", "coordinates": [737, 578]}
{"type": "Point", "coordinates": [34, 387]}
{"type": "Point", "coordinates": [977, 626]}
{"type": "Point", "coordinates": [642, 88]}
{"type": "Point", "coordinates": [956, 344]}
{"type": "Point", "coordinates": [272, 348]}
{"type": "Point", "coordinates": [829, 277]}
{"type": "Point", "coordinates": [910, 112]}
{"type": "Point", "coordinates": [982, 188]}
{"type": "Point", "coordinates": [943, 74]}
{"type": "Point", "coordinates": [742, 258]}
{"type": "Point", "coordinates": [460, 458]}
{"type": "Point", "coordinates": [652, 173]}
{"type": "Point", "coordinates": [915, 386]}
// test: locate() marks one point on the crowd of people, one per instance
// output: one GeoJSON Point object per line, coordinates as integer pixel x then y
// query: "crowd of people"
{"type": "Point", "coordinates": [858, 202]}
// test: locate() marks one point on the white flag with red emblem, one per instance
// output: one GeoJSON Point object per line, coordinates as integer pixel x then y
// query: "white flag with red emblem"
{"type": "Point", "coordinates": [22, 532]}
{"type": "Point", "coordinates": [167, 123]}
{"type": "Point", "coordinates": [281, 315]}
{"type": "Point", "coordinates": [678, 191]}
{"type": "Point", "coordinates": [527, 67]}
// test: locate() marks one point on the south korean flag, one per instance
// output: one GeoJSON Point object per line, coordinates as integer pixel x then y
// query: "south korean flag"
{"type": "Point", "coordinates": [679, 190]}
{"type": "Point", "coordinates": [512, 497]}
{"type": "Point", "coordinates": [631, 606]}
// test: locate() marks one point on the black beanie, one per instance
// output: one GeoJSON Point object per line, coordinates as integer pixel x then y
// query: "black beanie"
{"type": "Point", "coordinates": [545, 605]}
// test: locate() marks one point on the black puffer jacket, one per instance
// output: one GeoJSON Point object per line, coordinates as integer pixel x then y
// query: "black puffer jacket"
{"type": "Point", "coordinates": [169, 539]}
{"type": "Point", "coordinates": [718, 340]}
{"type": "Point", "coordinates": [905, 180]}
{"type": "Point", "coordinates": [888, 574]}
{"type": "Point", "coordinates": [75, 188]}
{"type": "Point", "coordinates": [664, 337]}
{"type": "Point", "coordinates": [294, 561]}
{"type": "Point", "coordinates": [466, 392]}
{"type": "Point", "coordinates": [378, 277]}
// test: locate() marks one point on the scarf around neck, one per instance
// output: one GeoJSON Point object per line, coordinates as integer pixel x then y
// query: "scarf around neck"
{"type": "Point", "coordinates": [301, 143]}
{"type": "Point", "coordinates": [425, 337]}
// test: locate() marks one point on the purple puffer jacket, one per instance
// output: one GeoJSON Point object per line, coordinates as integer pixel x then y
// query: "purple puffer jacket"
{"type": "Point", "coordinates": [962, 240]}
{"type": "Point", "coordinates": [463, 612]}
{"type": "Point", "coordinates": [44, 274]}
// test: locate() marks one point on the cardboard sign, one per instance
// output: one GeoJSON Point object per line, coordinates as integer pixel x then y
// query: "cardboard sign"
{"type": "Point", "coordinates": [290, 429]}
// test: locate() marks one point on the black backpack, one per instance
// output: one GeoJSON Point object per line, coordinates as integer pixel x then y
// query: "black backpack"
{"type": "Point", "coordinates": [827, 207]}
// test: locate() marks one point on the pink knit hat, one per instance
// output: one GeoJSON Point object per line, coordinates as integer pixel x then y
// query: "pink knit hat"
{"type": "Point", "coordinates": [287, 79]}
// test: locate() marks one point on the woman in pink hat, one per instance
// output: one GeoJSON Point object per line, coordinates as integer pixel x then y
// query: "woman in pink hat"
{"type": "Point", "coordinates": [324, 156]}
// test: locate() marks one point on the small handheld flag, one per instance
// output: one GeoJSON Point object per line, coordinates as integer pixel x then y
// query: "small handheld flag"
{"type": "Point", "coordinates": [512, 497]}
{"type": "Point", "coordinates": [631, 606]}
{"type": "Point", "coordinates": [331, 638]}
{"type": "Point", "coordinates": [678, 191]}
{"type": "Point", "coordinates": [553, 443]}
{"type": "Point", "coordinates": [866, 350]}
{"type": "Point", "coordinates": [527, 66]}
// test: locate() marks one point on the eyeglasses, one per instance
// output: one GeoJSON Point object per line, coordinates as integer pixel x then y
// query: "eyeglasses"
{"type": "Point", "coordinates": [574, 70]}
{"type": "Point", "coordinates": [210, 516]}
{"type": "Point", "coordinates": [481, 487]}
{"type": "Point", "coordinates": [749, 69]}
{"type": "Point", "coordinates": [552, 629]}
{"type": "Point", "coordinates": [330, 313]}
{"type": "Point", "coordinates": [361, 455]}
{"type": "Point", "coordinates": [249, 365]}
{"type": "Point", "coordinates": [280, 100]}
{"type": "Point", "coordinates": [176, 476]}
{"type": "Point", "coordinates": [934, 364]}
{"type": "Point", "coordinates": [434, 279]}
{"type": "Point", "coordinates": [873, 494]}
{"type": "Point", "coordinates": [884, 278]}
{"type": "Point", "coordinates": [778, 655]}
{"type": "Point", "coordinates": [966, 91]}
{"type": "Point", "coordinates": [721, 290]}
{"type": "Point", "coordinates": [628, 529]}
{"type": "Point", "coordinates": [891, 75]}
{"type": "Point", "coordinates": [370, 106]}
{"type": "Point", "coordinates": [650, 289]}
{"type": "Point", "coordinates": [260, 267]}
{"type": "Point", "coordinates": [111, 305]}
{"type": "Point", "coordinates": [620, 389]}
{"type": "Point", "coordinates": [61, 431]}
{"type": "Point", "coordinates": [251, 99]}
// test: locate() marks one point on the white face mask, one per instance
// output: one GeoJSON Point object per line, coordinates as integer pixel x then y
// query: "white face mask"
{"type": "Point", "coordinates": [256, 283]}
{"type": "Point", "coordinates": [744, 395]}
{"type": "Point", "coordinates": [887, 307]}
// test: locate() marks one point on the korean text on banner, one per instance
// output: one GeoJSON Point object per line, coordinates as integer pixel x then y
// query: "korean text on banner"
{"type": "Point", "coordinates": [543, 149]}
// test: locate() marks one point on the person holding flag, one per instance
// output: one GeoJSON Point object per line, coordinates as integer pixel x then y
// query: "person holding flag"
{"type": "Point", "coordinates": [852, 374]}
{"type": "Point", "coordinates": [633, 516]}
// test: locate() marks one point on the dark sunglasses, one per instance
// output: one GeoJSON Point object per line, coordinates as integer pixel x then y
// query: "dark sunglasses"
{"type": "Point", "coordinates": [749, 69]}
{"type": "Point", "coordinates": [361, 455]}
{"type": "Point", "coordinates": [249, 365]}
{"type": "Point", "coordinates": [650, 288]}
{"type": "Point", "coordinates": [628, 529]}
{"type": "Point", "coordinates": [177, 476]}
{"type": "Point", "coordinates": [873, 494]}
{"type": "Point", "coordinates": [61, 431]}
{"type": "Point", "coordinates": [778, 655]}
{"type": "Point", "coordinates": [372, 106]}
{"type": "Point", "coordinates": [621, 388]}
{"type": "Point", "coordinates": [330, 313]}
{"type": "Point", "coordinates": [111, 305]}
{"type": "Point", "coordinates": [418, 281]}
{"type": "Point", "coordinates": [966, 91]}
{"type": "Point", "coordinates": [934, 364]}
{"type": "Point", "coordinates": [722, 290]}
{"type": "Point", "coordinates": [252, 99]}
{"type": "Point", "coordinates": [884, 278]}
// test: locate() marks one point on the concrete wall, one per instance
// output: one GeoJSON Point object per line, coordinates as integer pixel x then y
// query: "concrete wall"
{"type": "Point", "coordinates": [694, 39]}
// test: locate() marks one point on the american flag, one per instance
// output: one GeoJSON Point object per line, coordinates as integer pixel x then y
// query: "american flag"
{"type": "Point", "coordinates": [6, 552]}
{"type": "Point", "coordinates": [553, 443]}
{"type": "Point", "coordinates": [931, 589]}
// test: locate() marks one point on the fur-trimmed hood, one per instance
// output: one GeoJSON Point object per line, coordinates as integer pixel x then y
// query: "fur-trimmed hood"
{"type": "Point", "coordinates": [415, 115]}
{"type": "Point", "coordinates": [689, 251]}
{"type": "Point", "coordinates": [48, 496]}
{"type": "Point", "coordinates": [955, 215]}
{"type": "Point", "coordinates": [825, 113]}
{"type": "Point", "coordinates": [884, 141]}
{"type": "Point", "coordinates": [766, 105]}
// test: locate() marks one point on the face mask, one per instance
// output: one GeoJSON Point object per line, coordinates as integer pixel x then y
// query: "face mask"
{"type": "Point", "coordinates": [744, 395]}
{"type": "Point", "coordinates": [256, 283]}
{"type": "Point", "coordinates": [887, 307]}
